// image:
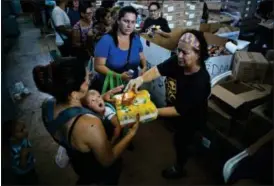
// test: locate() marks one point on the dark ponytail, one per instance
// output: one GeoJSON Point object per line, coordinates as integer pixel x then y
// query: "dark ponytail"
{"type": "Point", "coordinates": [60, 78]}
{"type": "Point", "coordinates": [42, 76]}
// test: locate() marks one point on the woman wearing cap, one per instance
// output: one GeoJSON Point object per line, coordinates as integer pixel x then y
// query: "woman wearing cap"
{"type": "Point", "coordinates": [193, 89]}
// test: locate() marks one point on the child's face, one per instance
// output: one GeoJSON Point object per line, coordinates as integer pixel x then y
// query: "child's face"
{"type": "Point", "coordinates": [95, 102]}
{"type": "Point", "coordinates": [20, 131]}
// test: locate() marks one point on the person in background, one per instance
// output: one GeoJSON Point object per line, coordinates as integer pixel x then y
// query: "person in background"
{"type": "Point", "coordinates": [121, 49]}
{"type": "Point", "coordinates": [49, 5]}
{"type": "Point", "coordinates": [22, 158]}
{"type": "Point", "coordinates": [73, 12]}
{"type": "Point", "coordinates": [205, 12]}
{"type": "Point", "coordinates": [265, 10]}
{"type": "Point", "coordinates": [115, 13]}
{"type": "Point", "coordinates": [62, 27]}
{"type": "Point", "coordinates": [188, 68]}
{"type": "Point", "coordinates": [81, 131]}
{"type": "Point", "coordinates": [108, 4]}
{"type": "Point", "coordinates": [81, 31]}
{"type": "Point", "coordinates": [102, 25]}
{"type": "Point", "coordinates": [155, 19]}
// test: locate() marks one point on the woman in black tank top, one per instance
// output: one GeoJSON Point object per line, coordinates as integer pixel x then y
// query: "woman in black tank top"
{"type": "Point", "coordinates": [77, 129]}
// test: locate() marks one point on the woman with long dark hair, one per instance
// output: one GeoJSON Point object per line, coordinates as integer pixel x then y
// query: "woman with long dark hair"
{"type": "Point", "coordinates": [102, 25]}
{"type": "Point", "coordinates": [120, 50]}
{"type": "Point", "coordinates": [76, 128]}
{"type": "Point", "coordinates": [188, 68]}
{"type": "Point", "coordinates": [81, 31]}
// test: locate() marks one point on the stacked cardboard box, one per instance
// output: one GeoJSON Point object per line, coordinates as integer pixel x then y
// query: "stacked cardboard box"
{"type": "Point", "coordinates": [183, 14]}
{"type": "Point", "coordinates": [214, 5]}
{"type": "Point", "coordinates": [233, 107]}
{"type": "Point", "coordinates": [250, 66]}
{"type": "Point", "coordinates": [246, 8]}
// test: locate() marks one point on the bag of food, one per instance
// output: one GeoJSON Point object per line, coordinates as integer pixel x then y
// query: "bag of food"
{"type": "Point", "coordinates": [129, 104]}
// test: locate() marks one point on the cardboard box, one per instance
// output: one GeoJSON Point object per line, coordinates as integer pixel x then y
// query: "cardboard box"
{"type": "Point", "coordinates": [214, 5]}
{"type": "Point", "coordinates": [214, 27]}
{"type": "Point", "coordinates": [257, 125]}
{"type": "Point", "coordinates": [249, 66]}
{"type": "Point", "coordinates": [221, 120]}
{"type": "Point", "coordinates": [173, 7]}
{"type": "Point", "coordinates": [173, 16]}
{"type": "Point", "coordinates": [219, 64]}
{"type": "Point", "coordinates": [192, 15]}
{"type": "Point", "coordinates": [194, 6]}
{"type": "Point", "coordinates": [238, 98]}
{"type": "Point", "coordinates": [269, 74]}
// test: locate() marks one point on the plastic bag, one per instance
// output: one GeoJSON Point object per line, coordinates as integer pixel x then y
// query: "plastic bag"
{"type": "Point", "coordinates": [141, 104]}
{"type": "Point", "coordinates": [61, 158]}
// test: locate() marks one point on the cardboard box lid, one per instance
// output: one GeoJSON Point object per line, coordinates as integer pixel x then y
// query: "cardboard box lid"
{"type": "Point", "coordinates": [167, 43]}
{"type": "Point", "coordinates": [250, 57]}
{"type": "Point", "coordinates": [176, 33]}
{"type": "Point", "coordinates": [235, 93]}
{"type": "Point", "coordinates": [214, 27]}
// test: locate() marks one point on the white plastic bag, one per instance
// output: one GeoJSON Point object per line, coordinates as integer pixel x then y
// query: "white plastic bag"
{"type": "Point", "coordinates": [61, 158]}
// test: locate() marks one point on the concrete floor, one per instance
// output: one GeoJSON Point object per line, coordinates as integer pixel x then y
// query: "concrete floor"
{"type": "Point", "coordinates": [153, 143]}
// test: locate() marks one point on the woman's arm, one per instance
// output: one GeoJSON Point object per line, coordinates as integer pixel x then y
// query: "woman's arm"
{"type": "Point", "coordinates": [168, 112]}
{"type": "Point", "coordinates": [143, 63]}
{"type": "Point", "coordinates": [117, 129]}
{"type": "Point", "coordinates": [151, 75]}
{"type": "Point", "coordinates": [100, 66]}
{"type": "Point", "coordinates": [163, 34]}
{"type": "Point", "coordinates": [76, 40]}
{"type": "Point", "coordinates": [63, 30]}
{"type": "Point", "coordinates": [89, 134]}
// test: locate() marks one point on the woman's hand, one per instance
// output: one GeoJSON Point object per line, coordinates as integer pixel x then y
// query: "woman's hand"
{"type": "Point", "coordinates": [133, 130]}
{"type": "Point", "coordinates": [125, 76]}
{"type": "Point", "coordinates": [134, 84]}
{"type": "Point", "coordinates": [108, 95]}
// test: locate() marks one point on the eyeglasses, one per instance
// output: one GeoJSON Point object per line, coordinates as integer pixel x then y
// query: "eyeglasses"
{"type": "Point", "coordinates": [153, 10]}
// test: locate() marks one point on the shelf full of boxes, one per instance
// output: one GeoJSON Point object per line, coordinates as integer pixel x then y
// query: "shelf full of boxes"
{"type": "Point", "coordinates": [246, 8]}
{"type": "Point", "coordinates": [183, 14]}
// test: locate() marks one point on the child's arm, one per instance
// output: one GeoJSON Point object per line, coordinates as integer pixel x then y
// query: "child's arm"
{"type": "Point", "coordinates": [115, 122]}
{"type": "Point", "coordinates": [24, 157]}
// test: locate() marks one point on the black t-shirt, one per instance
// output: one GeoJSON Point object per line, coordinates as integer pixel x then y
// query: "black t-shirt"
{"type": "Point", "coordinates": [192, 91]}
{"type": "Point", "coordinates": [162, 22]}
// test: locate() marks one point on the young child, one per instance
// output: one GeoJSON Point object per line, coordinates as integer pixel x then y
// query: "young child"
{"type": "Point", "coordinates": [94, 101]}
{"type": "Point", "coordinates": [22, 158]}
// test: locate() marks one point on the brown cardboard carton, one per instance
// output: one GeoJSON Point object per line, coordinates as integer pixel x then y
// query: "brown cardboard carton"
{"type": "Point", "coordinates": [237, 98]}
{"type": "Point", "coordinates": [218, 118]}
{"type": "Point", "coordinates": [257, 125]}
{"type": "Point", "coordinates": [167, 43]}
{"type": "Point", "coordinates": [194, 6]}
{"type": "Point", "coordinates": [249, 66]}
{"type": "Point", "coordinates": [173, 7]}
{"type": "Point", "coordinates": [269, 74]}
{"type": "Point", "coordinates": [231, 33]}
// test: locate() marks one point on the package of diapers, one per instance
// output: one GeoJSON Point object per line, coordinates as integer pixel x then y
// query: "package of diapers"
{"type": "Point", "coordinates": [129, 104]}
